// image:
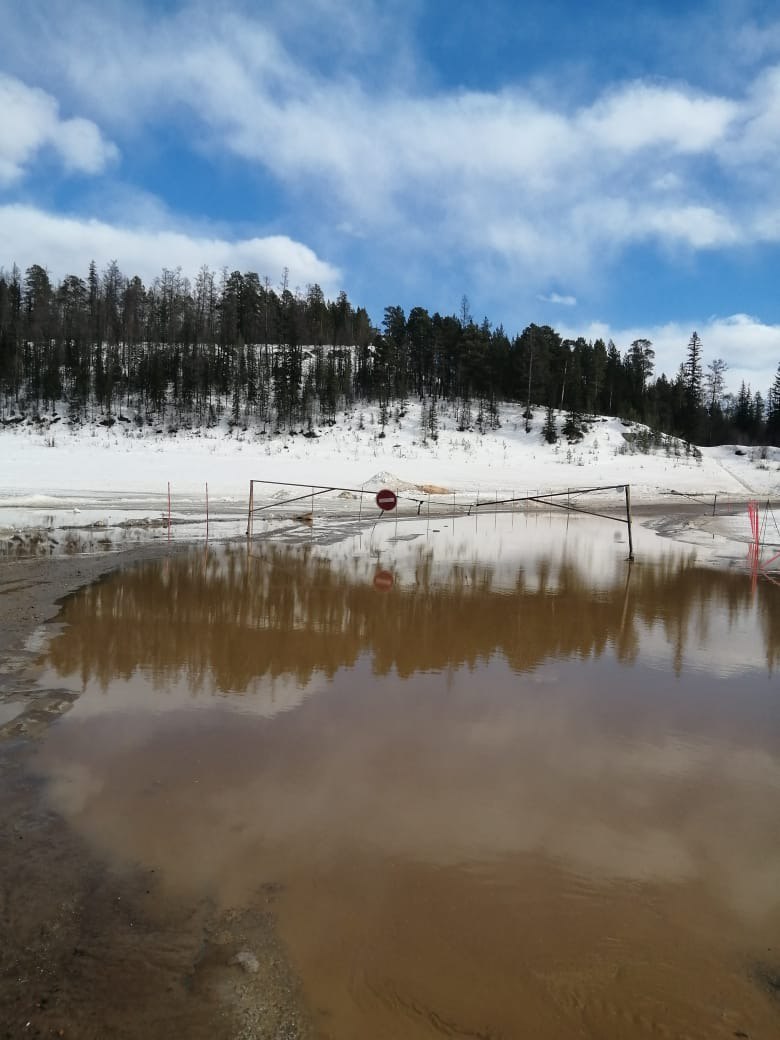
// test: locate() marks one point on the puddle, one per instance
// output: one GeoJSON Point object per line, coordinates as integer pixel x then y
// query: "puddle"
{"type": "Point", "coordinates": [9, 710]}
{"type": "Point", "coordinates": [501, 783]}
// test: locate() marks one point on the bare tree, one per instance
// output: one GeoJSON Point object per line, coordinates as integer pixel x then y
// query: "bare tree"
{"type": "Point", "coordinates": [715, 382]}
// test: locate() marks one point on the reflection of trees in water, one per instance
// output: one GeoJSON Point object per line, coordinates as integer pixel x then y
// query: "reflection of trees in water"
{"type": "Point", "coordinates": [230, 618]}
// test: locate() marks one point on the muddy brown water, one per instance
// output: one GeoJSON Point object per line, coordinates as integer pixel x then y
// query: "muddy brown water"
{"type": "Point", "coordinates": [515, 789]}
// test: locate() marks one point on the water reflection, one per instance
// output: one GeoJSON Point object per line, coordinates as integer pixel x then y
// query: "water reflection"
{"type": "Point", "coordinates": [224, 619]}
{"type": "Point", "coordinates": [535, 793]}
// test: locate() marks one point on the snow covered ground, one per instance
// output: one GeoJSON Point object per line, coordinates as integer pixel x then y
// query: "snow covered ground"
{"type": "Point", "coordinates": [93, 486]}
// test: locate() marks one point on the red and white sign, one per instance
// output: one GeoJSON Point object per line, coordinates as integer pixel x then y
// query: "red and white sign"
{"type": "Point", "coordinates": [386, 499]}
{"type": "Point", "coordinates": [383, 581]}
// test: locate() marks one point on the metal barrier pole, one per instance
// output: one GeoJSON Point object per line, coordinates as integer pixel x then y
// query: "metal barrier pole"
{"type": "Point", "coordinates": [249, 523]}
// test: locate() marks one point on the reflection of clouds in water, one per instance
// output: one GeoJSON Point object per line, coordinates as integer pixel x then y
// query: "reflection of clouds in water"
{"type": "Point", "coordinates": [421, 773]}
{"type": "Point", "coordinates": [141, 693]}
{"type": "Point", "coordinates": [647, 854]}
{"type": "Point", "coordinates": [666, 812]}
{"type": "Point", "coordinates": [446, 737]}
{"type": "Point", "coordinates": [73, 787]}
{"type": "Point", "coordinates": [725, 648]}
{"type": "Point", "coordinates": [538, 542]}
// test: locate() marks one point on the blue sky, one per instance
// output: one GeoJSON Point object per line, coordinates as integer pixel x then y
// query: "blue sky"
{"type": "Point", "coordinates": [609, 169]}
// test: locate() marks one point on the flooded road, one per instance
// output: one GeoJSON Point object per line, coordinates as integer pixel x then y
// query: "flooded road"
{"type": "Point", "coordinates": [497, 782]}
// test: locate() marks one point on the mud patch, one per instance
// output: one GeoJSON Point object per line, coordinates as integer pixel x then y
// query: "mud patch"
{"type": "Point", "coordinates": [767, 977]}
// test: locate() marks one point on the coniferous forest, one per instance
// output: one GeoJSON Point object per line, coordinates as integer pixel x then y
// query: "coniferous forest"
{"type": "Point", "coordinates": [182, 354]}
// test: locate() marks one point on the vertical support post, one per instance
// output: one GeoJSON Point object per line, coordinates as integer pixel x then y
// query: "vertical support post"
{"type": "Point", "coordinates": [360, 508]}
{"type": "Point", "coordinates": [625, 603]}
{"type": "Point", "coordinates": [250, 515]}
{"type": "Point", "coordinates": [169, 510]}
{"type": "Point", "coordinates": [714, 504]}
{"type": "Point", "coordinates": [754, 550]}
{"type": "Point", "coordinates": [207, 511]}
{"type": "Point", "coordinates": [312, 503]}
{"type": "Point", "coordinates": [628, 521]}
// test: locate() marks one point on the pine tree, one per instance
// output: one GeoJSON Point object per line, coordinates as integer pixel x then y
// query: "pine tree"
{"type": "Point", "coordinates": [550, 428]}
{"type": "Point", "coordinates": [743, 410]}
{"type": "Point", "coordinates": [694, 418]}
{"type": "Point", "coordinates": [573, 427]}
{"type": "Point", "coordinates": [693, 372]}
{"type": "Point", "coordinates": [773, 411]}
{"type": "Point", "coordinates": [640, 362]}
{"type": "Point", "coordinates": [430, 421]}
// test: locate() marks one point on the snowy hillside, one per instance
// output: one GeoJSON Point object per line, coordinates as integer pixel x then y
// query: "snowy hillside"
{"type": "Point", "coordinates": [49, 470]}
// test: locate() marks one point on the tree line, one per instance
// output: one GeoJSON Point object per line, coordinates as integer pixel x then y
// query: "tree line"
{"type": "Point", "coordinates": [230, 345]}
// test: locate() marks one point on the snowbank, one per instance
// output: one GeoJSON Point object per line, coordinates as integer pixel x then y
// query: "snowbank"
{"type": "Point", "coordinates": [57, 477]}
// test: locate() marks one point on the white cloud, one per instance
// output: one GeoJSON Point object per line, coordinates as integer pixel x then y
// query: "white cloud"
{"type": "Point", "coordinates": [698, 227]}
{"type": "Point", "coordinates": [67, 244]}
{"type": "Point", "coordinates": [640, 115]}
{"type": "Point", "coordinates": [759, 135]}
{"type": "Point", "coordinates": [31, 121]}
{"type": "Point", "coordinates": [82, 146]}
{"type": "Point", "coordinates": [667, 182]}
{"type": "Point", "coordinates": [510, 178]}
{"type": "Point", "coordinates": [563, 301]}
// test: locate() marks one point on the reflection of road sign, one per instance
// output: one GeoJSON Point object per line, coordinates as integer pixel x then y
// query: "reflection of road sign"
{"type": "Point", "coordinates": [386, 499]}
{"type": "Point", "coordinates": [383, 580]}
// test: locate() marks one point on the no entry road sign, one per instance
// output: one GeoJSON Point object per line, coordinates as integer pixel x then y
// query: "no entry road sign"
{"type": "Point", "coordinates": [386, 499]}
